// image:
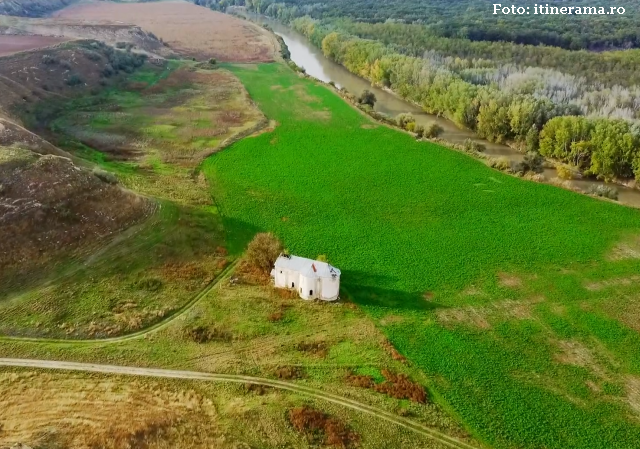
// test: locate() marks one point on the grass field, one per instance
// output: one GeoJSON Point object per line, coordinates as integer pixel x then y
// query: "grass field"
{"type": "Point", "coordinates": [252, 330]}
{"type": "Point", "coordinates": [69, 410]}
{"type": "Point", "coordinates": [514, 298]}
{"type": "Point", "coordinates": [151, 132]}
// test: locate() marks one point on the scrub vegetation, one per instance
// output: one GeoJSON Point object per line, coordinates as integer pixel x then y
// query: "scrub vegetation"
{"type": "Point", "coordinates": [505, 293]}
{"type": "Point", "coordinates": [318, 345]}
{"type": "Point", "coordinates": [148, 134]}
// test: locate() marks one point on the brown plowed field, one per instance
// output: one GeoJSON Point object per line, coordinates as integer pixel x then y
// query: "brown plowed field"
{"type": "Point", "coordinates": [10, 44]}
{"type": "Point", "coordinates": [189, 29]}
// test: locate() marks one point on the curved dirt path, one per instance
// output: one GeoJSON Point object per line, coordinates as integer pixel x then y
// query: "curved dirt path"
{"type": "Point", "coordinates": [315, 393]}
{"type": "Point", "coordinates": [139, 334]}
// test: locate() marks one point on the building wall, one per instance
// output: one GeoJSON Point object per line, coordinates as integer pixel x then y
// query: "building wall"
{"type": "Point", "coordinates": [284, 278]}
{"type": "Point", "coordinates": [308, 287]}
{"type": "Point", "coordinates": [330, 288]}
{"type": "Point", "coordinates": [326, 289]}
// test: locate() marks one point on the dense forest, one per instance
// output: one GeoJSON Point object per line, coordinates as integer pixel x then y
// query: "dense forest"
{"type": "Point", "coordinates": [474, 20]}
{"type": "Point", "coordinates": [580, 107]}
{"type": "Point", "coordinates": [608, 147]}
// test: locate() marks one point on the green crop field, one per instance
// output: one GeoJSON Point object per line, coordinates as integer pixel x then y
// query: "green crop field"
{"type": "Point", "coordinates": [518, 300]}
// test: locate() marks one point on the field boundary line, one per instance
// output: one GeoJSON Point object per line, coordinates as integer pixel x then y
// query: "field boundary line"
{"type": "Point", "coordinates": [141, 333]}
{"type": "Point", "coordinates": [315, 393]}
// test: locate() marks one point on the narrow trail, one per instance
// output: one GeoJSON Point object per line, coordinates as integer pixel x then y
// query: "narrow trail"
{"type": "Point", "coordinates": [314, 393]}
{"type": "Point", "coordinates": [139, 334]}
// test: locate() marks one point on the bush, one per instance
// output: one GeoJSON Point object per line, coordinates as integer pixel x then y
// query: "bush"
{"type": "Point", "coordinates": [532, 162]}
{"type": "Point", "coordinates": [121, 45]}
{"type": "Point", "coordinates": [65, 64]}
{"type": "Point", "coordinates": [74, 80]}
{"type": "Point", "coordinates": [149, 284]}
{"type": "Point", "coordinates": [564, 172]}
{"type": "Point", "coordinates": [411, 126]}
{"type": "Point", "coordinates": [501, 163]}
{"type": "Point", "coordinates": [105, 176]}
{"type": "Point", "coordinates": [367, 97]}
{"type": "Point", "coordinates": [92, 55]}
{"type": "Point", "coordinates": [419, 130]}
{"type": "Point", "coordinates": [108, 71]}
{"type": "Point", "coordinates": [473, 147]}
{"type": "Point", "coordinates": [604, 191]}
{"type": "Point", "coordinates": [49, 60]}
{"type": "Point", "coordinates": [432, 131]}
{"type": "Point", "coordinates": [263, 251]}
{"type": "Point", "coordinates": [403, 119]}
{"type": "Point", "coordinates": [213, 61]}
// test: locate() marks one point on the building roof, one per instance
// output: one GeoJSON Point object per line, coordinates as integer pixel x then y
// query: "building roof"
{"type": "Point", "coordinates": [307, 267]}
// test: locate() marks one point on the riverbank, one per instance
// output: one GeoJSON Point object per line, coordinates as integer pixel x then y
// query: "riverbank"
{"type": "Point", "coordinates": [332, 75]}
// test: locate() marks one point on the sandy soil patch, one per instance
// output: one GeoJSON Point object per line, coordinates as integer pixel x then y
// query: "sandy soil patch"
{"type": "Point", "coordinates": [632, 385]}
{"type": "Point", "coordinates": [618, 282]}
{"type": "Point", "coordinates": [10, 44]}
{"type": "Point", "coordinates": [187, 28]}
{"type": "Point", "coordinates": [629, 249]}
{"type": "Point", "coordinates": [509, 280]}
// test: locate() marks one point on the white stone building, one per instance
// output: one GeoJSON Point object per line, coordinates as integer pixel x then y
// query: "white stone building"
{"type": "Point", "coordinates": [311, 278]}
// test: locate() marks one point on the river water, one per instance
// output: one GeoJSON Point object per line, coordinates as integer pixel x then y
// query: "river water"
{"type": "Point", "coordinates": [304, 54]}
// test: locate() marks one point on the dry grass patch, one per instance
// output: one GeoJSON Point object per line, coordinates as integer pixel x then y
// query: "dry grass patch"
{"type": "Point", "coordinates": [573, 352]}
{"type": "Point", "coordinates": [509, 280]}
{"type": "Point", "coordinates": [627, 249]}
{"type": "Point", "coordinates": [10, 44]}
{"type": "Point", "coordinates": [187, 28]}
{"type": "Point", "coordinates": [67, 410]}
{"type": "Point", "coordinates": [632, 387]}
{"type": "Point", "coordinates": [617, 282]}
{"type": "Point", "coordinates": [480, 317]}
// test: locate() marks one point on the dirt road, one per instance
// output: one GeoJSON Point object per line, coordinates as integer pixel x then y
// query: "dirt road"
{"type": "Point", "coordinates": [211, 377]}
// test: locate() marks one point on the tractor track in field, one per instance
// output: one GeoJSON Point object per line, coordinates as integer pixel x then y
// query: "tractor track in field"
{"type": "Point", "coordinates": [314, 393]}
{"type": "Point", "coordinates": [139, 334]}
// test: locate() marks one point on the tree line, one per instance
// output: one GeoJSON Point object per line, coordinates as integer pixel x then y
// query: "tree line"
{"type": "Point", "coordinates": [610, 148]}
{"type": "Point", "coordinates": [536, 108]}
{"type": "Point", "coordinates": [474, 20]}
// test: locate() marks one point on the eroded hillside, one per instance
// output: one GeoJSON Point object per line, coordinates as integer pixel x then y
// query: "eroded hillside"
{"type": "Point", "coordinates": [48, 205]}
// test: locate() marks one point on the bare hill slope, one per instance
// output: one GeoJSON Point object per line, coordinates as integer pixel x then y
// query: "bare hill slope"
{"type": "Point", "coordinates": [48, 205]}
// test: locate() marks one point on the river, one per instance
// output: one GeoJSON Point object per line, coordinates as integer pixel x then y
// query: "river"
{"type": "Point", "coordinates": [304, 54]}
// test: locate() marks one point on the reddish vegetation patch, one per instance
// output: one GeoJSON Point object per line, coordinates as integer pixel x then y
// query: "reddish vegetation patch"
{"type": "Point", "coordinates": [256, 388]}
{"type": "Point", "coordinates": [185, 27]}
{"type": "Point", "coordinates": [10, 44]}
{"type": "Point", "coordinates": [202, 334]}
{"type": "Point", "coordinates": [397, 386]}
{"type": "Point", "coordinates": [320, 428]}
{"type": "Point", "coordinates": [276, 316]}
{"type": "Point", "coordinates": [289, 372]}
{"type": "Point", "coordinates": [317, 348]}
{"type": "Point", "coordinates": [395, 355]}
{"type": "Point", "coordinates": [246, 273]}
